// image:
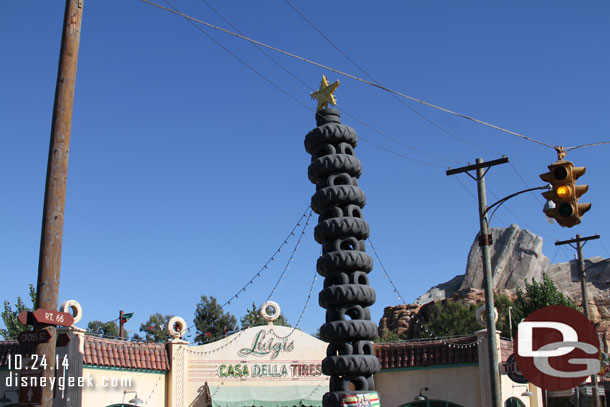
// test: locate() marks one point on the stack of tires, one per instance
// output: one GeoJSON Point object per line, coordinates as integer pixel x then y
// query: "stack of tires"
{"type": "Point", "coordinates": [350, 361]}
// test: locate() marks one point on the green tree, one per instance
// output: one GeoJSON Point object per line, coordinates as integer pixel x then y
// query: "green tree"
{"type": "Point", "coordinates": [9, 316]}
{"type": "Point", "coordinates": [502, 303]}
{"type": "Point", "coordinates": [103, 328]}
{"type": "Point", "coordinates": [538, 295]}
{"type": "Point", "coordinates": [387, 336]}
{"type": "Point", "coordinates": [211, 321]}
{"type": "Point", "coordinates": [451, 318]}
{"type": "Point", "coordinates": [253, 318]}
{"type": "Point", "coordinates": [154, 329]}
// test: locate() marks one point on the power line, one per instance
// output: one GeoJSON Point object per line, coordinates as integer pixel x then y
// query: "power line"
{"type": "Point", "coordinates": [190, 20]}
{"type": "Point", "coordinates": [309, 88]}
{"type": "Point", "coordinates": [377, 82]}
{"type": "Point", "coordinates": [421, 101]}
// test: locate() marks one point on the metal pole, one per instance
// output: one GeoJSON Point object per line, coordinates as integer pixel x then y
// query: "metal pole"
{"type": "Point", "coordinates": [585, 307]}
{"type": "Point", "coordinates": [510, 323]}
{"type": "Point", "coordinates": [121, 313]}
{"type": "Point", "coordinates": [488, 283]}
{"type": "Point", "coordinates": [47, 288]}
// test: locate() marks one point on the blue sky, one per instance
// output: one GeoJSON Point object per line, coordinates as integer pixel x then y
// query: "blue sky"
{"type": "Point", "coordinates": [187, 169]}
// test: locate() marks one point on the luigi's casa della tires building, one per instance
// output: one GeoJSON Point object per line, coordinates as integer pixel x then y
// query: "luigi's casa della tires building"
{"type": "Point", "coordinates": [266, 366]}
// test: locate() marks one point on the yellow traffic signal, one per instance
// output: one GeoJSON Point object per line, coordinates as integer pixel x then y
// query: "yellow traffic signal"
{"type": "Point", "coordinates": [565, 193]}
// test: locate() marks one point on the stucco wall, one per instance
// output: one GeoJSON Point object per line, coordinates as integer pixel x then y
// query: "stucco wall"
{"type": "Point", "coordinates": [150, 387]}
{"type": "Point", "coordinates": [458, 384]}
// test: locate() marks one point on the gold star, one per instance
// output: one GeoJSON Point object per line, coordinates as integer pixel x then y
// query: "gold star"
{"type": "Point", "coordinates": [324, 95]}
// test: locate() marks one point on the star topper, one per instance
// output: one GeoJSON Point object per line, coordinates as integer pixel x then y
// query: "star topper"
{"type": "Point", "coordinates": [324, 95]}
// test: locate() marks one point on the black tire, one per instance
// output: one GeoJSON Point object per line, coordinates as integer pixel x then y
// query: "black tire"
{"type": "Point", "coordinates": [348, 211]}
{"type": "Point", "coordinates": [333, 180]}
{"type": "Point", "coordinates": [339, 348]}
{"type": "Point", "coordinates": [337, 195]}
{"type": "Point", "coordinates": [333, 164]}
{"type": "Point", "coordinates": [359, 277]}
{"type": "Point", "coordinates": [349, 312]}
{"type": "Point", "coordinates": [342, 383]}
{"type": "Point", "coordinates": [345, 243]}
{"type": "Point", "coordinates": [363, 348]}
{"type": "Point", "coordinates": [336, 279]}
{"type": "Point", "coordinates": [352, 365]}
{"type": "Point", "coordinates": [349, 330]}
{"type": "Point", "coordinates": [330, 130]}
{"type": "Point", "coordinates": [344, 260]}
{"type": "Point", "coordinates": [363, 295]}
{"type": "Point", "coordinates": [325, 149]}
{"type": "Point", "coordinates": [336, 227]}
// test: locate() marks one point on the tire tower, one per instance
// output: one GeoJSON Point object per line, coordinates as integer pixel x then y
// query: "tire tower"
{"type": "Point", "coordinates": [341, 230]}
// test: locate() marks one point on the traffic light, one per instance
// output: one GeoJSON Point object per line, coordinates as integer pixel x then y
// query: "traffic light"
{"type": "Point", "coordinates": [565, 193]}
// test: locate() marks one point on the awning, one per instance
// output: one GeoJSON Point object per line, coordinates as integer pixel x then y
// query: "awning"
{"type": "Point", "coordinates": [268, 396]}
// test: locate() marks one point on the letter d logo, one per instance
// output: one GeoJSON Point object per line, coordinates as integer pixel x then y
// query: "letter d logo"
{"type": "Point", "coordinates": [557, 348]}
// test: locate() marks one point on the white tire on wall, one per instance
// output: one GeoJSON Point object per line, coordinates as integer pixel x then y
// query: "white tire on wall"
{"type": "Point", "coordinates": [481, 316]}
{"type": "Point", "coordinates": [176, 327]}
{"type": "Point", "coordinates": [74, 308]}
{"type": "Point", "coordinates": [276, 311]}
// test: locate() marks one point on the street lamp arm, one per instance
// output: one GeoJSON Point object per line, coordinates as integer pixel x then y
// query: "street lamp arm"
{"type": "Point", "coordinates": [506, 198]}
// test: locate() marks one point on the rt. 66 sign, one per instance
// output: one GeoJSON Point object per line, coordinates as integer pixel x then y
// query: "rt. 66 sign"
{"type": "Point", "coordinates": [44, 316]}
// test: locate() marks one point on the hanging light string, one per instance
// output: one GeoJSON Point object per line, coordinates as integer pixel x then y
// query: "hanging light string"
{"type": "Point", "coordinates": [312, 393]}
{"type": "Point", "coordinates": [385, 271]}
{"type": "Point", "coordinates": [556, 148]}
{"type": "Point", "coordinates": [265, 266]}
{"type": "Point", "coordinates": [315, 278]}
{"type": "Point", "coordinates": [413, 315]}
{"type": "Point", "coordinates": [153, 390]}
{"type": "Point", "coordinates": [291, 256]}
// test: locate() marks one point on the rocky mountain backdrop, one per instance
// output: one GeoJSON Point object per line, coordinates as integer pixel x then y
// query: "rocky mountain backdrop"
{"type": "Point", "coordinates": [516, 256]}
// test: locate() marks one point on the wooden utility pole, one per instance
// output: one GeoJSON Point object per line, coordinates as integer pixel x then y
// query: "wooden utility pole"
{"type": "Point", "coordinates": [49, 263]}
{"type": "Point", "coordinates": [481, 169]}
{"type": "Point", "coordinates": [582, 275]}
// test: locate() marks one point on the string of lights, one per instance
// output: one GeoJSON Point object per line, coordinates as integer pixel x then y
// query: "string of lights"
{"type": "Point", "coordinates": [272, 258]}
{"type": "Point", "coordinates": [152, 391]}
{"type": "Point", "coordinates": [413, 315]}
{"type": "Point", "coordinates": [423, 102]}
{"type": "Point", "coordinates": [315, 278]}
{"type": "Point", "coordinates": [291, 257]}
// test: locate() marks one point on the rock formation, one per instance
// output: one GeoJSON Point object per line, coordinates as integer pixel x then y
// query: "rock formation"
{"type": "Point", "coordinates": [516, 256]}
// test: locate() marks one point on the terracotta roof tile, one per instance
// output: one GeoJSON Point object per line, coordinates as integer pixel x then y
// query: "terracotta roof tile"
{"type": "Point", "coordinates": [13, 348]}
{"type": "Point", "coordinates": [506, 349]}
{"type": "Point", "coordinates": [425, 353]}
{"type": "Point", "coordinates": [132, 355]}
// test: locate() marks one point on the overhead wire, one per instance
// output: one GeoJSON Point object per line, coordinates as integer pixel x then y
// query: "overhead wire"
{"type": "Point", "coordinates": [310, 90]}
{"type": "Point", "coordinates": [295, 98]}
{"type": "Point", "coordinates": [604, 246]}
{"type": "Point", "coordinates": [427, 119]}
{"type": "Point", "coordinates": [421, 101]}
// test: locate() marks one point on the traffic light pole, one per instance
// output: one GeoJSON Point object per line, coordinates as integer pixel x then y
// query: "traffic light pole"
{"type": "Point", "coordinates": [582, 274]}
{"type": "Point", "coordinates": [481, 168]}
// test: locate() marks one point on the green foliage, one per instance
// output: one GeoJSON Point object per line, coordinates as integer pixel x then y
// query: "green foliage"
{"type": "Point", "coordinates": [387, 336]}
{"type": "Point", "coordinates": [9, 316]}
{"type": "Point", "coordinates": [538, 295]}
{"type": "Point", "coordinates": [502, 303]}
{"type": "Point", "coordinates": [253, 318]}
{"type": "Point", "coordinates": [110, 329]}
{"type": "Point", "coordinates": [211, 321]}
{"type": "Point", "coordinates": [451, 318]}
{"type": "Point", "coordinates": [154, 329]}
